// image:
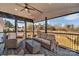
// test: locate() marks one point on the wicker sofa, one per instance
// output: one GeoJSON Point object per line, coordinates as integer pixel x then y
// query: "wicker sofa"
{"type": "Point", "coordinates": [11, 41]}
{"type": "Point", "coordinates": [48, 41]}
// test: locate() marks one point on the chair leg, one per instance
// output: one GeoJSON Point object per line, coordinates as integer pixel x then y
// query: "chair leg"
{"type": "Point", "coordinates": [6, 51]}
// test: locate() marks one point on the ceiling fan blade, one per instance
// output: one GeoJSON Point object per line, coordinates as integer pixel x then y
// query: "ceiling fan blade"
{"type": "Point", "coordinates": [26, 6]}
{"type": "Point", "coordinates": [20, 5]}
{"type": "Point", "coordinates": [22, 9]}
{"type": "Point", "coordinates": [34, 8]}
{"type": "Point", "coordinates": [31, 9]}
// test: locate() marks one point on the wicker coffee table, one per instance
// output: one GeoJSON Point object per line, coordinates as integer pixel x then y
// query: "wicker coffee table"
{"type": "Point", "coordinates": [33, 46]}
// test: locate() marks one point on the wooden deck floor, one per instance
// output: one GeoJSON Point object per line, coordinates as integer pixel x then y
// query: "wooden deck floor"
{"type": "Point", "coordinates": [44, 52]}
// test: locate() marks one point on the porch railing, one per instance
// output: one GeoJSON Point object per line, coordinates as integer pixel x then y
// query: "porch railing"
{"type": "Point", "coordinates": [68, 40]}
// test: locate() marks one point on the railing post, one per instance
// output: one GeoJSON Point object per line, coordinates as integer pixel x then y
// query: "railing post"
{"type": "Point", "coordinates": [25, 30]}
{"type": "Point", "coordinates": [45, 24]}
{"type": "Point", "coordinates": [33, 28]}
{"type": "Point", "coordinates": [16, 28]}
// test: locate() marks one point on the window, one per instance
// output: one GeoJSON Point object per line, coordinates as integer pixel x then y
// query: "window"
{"type": "Point", "coordinates": [9, 25]}
{"type": "Point", "coordinates": [20, 26]}
{"type": "Point", "coordinates": [9, 28]}
{"type": "Point", "coordinates": [65, 23]}
{"type": "Point", "coordinates": [39, 26]}
{"type": "Point", "coordinates": [29, 29]}
{"type": "Point", "coordinates": [66, 29]}
{"type": "Point", "coordinates": [20, 29]}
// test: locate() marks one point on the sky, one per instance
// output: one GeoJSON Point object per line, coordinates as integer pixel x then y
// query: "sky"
{"type": "Point", "coordinates": [69, 19]}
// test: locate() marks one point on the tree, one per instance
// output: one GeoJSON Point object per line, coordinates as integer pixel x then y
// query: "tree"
{"type": "Point", "coordinates": [70, 27]}
{"type": "Point", "coordinates": [50, 27]}
{"type": "Point", "coordinates": [8, 24]}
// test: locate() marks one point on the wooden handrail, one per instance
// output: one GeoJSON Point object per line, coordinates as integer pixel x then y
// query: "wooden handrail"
{"type": "Point", "coordinates": [69, 33]}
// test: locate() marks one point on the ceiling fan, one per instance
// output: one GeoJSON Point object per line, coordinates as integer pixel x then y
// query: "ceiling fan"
{"type": "Point", "coordinates": [28, 8]}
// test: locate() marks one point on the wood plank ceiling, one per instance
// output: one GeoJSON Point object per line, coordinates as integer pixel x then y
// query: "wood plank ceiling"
{"type": "Point", "coordinates": [49, 10]}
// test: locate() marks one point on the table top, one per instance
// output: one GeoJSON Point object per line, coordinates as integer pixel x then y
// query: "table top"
{"type": "Point", "coordinates": [33, 43]}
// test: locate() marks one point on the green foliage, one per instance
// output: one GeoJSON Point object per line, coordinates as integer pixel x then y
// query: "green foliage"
{"type": "Point", "coordinates": [71, 27]}
{"type": "Point", "coordinates": [50, 27]}
{"type": "Point", "coordinates": [8, 24]}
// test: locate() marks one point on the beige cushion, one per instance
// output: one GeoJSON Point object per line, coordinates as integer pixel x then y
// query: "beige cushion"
{"type": "Point", "coordinates": [46, 41]}
{"type": "Point", "coordinates": [12, 36]}
{"type": "Point", "coordinates": [38, 39]}
{"type": "Point", "coordinates": [43, 35]}
{"type": "Point", "coordinates": [39, 34]}
{"type": "Point", "coordinates": [50, 37]}
{"type": "Point", "coordinates": [12, 43]}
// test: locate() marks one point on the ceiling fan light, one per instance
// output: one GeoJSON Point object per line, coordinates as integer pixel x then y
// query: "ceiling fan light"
{"type": "Point", "coordinates": [26, 9]}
